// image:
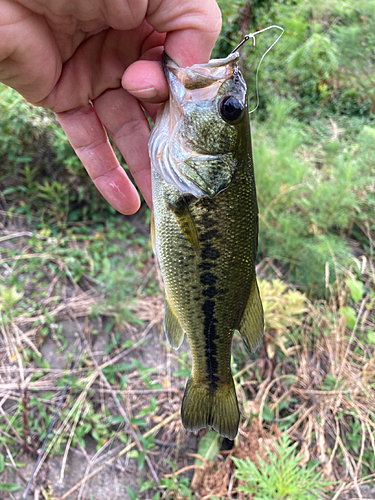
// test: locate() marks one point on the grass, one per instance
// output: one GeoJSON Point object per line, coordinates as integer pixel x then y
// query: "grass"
{"type": "Point", "coordinates": [318, 390]}
{"type": "Point", "coordinates": [315, 196]}
{"type": "Point", "coordinates": [313, 379]}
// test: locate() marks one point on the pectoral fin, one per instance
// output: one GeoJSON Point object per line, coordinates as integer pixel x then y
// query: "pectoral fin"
{"type": "Point", "coordinates": [252, 323]}
{"type": "Point", "coordinates": [153, 238]}
{"type": "Point", "coordinates": [172, 327]}
{"type": "Point", "coordinates": [186, 222]}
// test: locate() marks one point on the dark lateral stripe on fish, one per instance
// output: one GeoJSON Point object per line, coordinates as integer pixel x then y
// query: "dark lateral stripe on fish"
{"type": "Point", "coordinates": [209, 252]}
{"type": "Point", "coordinates": [212, 233]}
{"type": "Point", "coordinates": [208, 279]}
{"type": "Point", "coordinates": [210, 292]}
{"type": "Point", "coordinates": [210, 335]}
{"type": "Point", "coordinates": [206, 266]}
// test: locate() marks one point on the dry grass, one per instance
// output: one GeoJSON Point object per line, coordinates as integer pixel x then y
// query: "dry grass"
{"type": "Point", "coordinates": [328, 374]}
{"type": "Point", "coordinates": [310, 359]}
{"type": "Point", "coordinates": [91, 390]}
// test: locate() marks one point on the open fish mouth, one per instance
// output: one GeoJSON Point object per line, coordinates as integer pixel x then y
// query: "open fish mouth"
{"type": "Point", "coordinates": [199, 76]}
{"type": "Point", "coordinates": [169, 147]}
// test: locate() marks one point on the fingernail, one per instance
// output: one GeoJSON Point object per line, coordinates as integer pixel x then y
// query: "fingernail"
{"type": "Point", "coordinates": [144, 93]}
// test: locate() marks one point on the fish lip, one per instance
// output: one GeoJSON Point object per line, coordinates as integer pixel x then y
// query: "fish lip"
{"type": "Point", "coordinates": [199, 76]}
{"type": "Point", "coordinates": [212, 63]}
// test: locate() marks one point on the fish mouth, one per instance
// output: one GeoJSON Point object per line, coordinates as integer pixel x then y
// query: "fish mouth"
{"type": "Point", "coordinates": [200, 81]}
{"type": "Point", "coordinates": [202, 75]}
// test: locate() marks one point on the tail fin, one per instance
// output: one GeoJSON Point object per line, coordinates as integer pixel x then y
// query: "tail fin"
{"type": "Point", "coordinates": [204, 406]}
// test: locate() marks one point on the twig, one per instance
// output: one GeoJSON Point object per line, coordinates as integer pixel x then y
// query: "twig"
{"type": "Point", "coordinates": [145, 391]}
{"type": "Point", "coordinates": [117, 402]}
{"type": "Point", "coordinates": [50, 428]}
{"type": "Point", "coordinates": [15, 235]}
{"type": "Point", "coordinates": [338, 492]}
{"type": "Point", "coordinates": [19, 439]}
{"type": "Point", "coordinates": [65, 424]}
{"type": "Point", "coordinates": [91, 462]}
{"type": "Point", "coordinates": [165, 443]}
{"type": "Point", "coordinates": [120, 454]}
{"type": "Point", "coordinates": [360, 312]}
{"type": "Point", "coordinates": [69, 442]}
{"type": "Point", "coordinates": [263, 401]}
{"type": "Point", "coordinates": [241, 372]}
{"type": "Point", "coordinates": [185, 469]}
{"type": "Point", "coordinates": [13, 465]}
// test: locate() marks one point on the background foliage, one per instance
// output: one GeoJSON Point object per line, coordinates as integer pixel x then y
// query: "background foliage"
{"type": "Point", "coordinates": [313, 138]}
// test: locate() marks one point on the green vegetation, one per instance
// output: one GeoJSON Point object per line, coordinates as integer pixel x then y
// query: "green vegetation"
{"type": "Point", "coordinates": [41, 176]}
{"type": "Point", "coordinates": [281, 476]}
{"type": "Point", "coordinates": [313, 134]}
{"type": "Point", "coordinates": [79, 286]}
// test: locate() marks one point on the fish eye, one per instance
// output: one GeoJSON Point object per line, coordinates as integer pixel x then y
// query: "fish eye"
{"type": "Point", "coordinates": [231, 109]}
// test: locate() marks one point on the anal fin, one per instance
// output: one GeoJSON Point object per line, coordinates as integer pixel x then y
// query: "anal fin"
{"type": "Point", "coordinates": [172, 327]}
{"type": "Point", "coordinates": [251, 327]}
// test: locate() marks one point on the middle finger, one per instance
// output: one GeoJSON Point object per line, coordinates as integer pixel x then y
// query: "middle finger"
{"type": "Point", "coordinates": [126, 123]}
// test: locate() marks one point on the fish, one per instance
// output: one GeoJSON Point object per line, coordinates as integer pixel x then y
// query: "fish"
{"type": "Point", "coordinates": [205, 231]}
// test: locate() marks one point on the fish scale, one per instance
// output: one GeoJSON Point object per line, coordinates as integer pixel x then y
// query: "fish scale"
{"type": "Point", "coordinates": [206, 244]}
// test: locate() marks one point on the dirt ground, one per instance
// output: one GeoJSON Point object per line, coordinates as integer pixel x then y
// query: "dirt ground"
{"type": "Point", "coordinates": [87, 338]}
{"type": "Point", "coordinates": [58, 476]}
{"type": "Point", "coordinates": [94, 472]}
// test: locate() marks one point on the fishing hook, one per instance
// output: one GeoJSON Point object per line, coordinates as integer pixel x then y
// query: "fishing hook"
{"type": "Point", "coordinates": [252, 35]}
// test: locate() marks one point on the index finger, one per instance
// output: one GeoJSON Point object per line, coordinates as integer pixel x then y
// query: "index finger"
{"type": "Point", "coordinates": [191, 28]}
{"type": "Point", "coordinates": [90, 142]}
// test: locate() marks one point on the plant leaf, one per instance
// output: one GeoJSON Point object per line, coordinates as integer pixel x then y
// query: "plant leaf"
{"type": "Point", "coordinates": [356, 289]}
{"type": "Point", "coordinates": [350, 316]}
{"type": "Point", "coordinates": [132, 494]}
{"type": "Point", "coordinates": [9, 487]}
{"type": "Point", "coordinates": [267, 414]}
{"type": "Point", "coordinates": [208, 447]}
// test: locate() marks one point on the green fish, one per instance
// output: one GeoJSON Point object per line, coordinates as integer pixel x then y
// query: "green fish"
{"type": "Point", "coordinates": [205, 231]}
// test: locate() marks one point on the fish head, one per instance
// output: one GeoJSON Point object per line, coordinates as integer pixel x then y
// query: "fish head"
{"type": "Point", "coordinates": [194, 141]}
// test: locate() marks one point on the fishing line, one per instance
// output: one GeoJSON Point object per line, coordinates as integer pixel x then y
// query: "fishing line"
{"type": "Point", "coordinates": [252, 35]}
{"type": "Point", "coordinates": [52, 425]}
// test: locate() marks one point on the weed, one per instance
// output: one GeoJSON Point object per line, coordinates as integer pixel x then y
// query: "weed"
{"type": "Point", "coordinates": [281, 476]}
{"type": "Point", "coordinates": [176, 487]}
{"type": "Point", "coordinates": [9, 487]}
{"type": "Point", "coordinates": [283, 309]}
{"type": "Point", "coordinates": [298, 229]}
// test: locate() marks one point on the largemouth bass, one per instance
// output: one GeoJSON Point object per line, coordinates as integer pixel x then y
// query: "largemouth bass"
{"type": "Point", "coordinates": [206, 230]}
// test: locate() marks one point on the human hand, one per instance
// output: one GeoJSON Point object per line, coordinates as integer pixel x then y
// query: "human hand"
{"type": "Point", "coordinates": [92, 62]}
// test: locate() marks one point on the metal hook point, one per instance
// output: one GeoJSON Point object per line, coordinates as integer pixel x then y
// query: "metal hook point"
{"type": "Point", "coordinates": [252, 35]}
